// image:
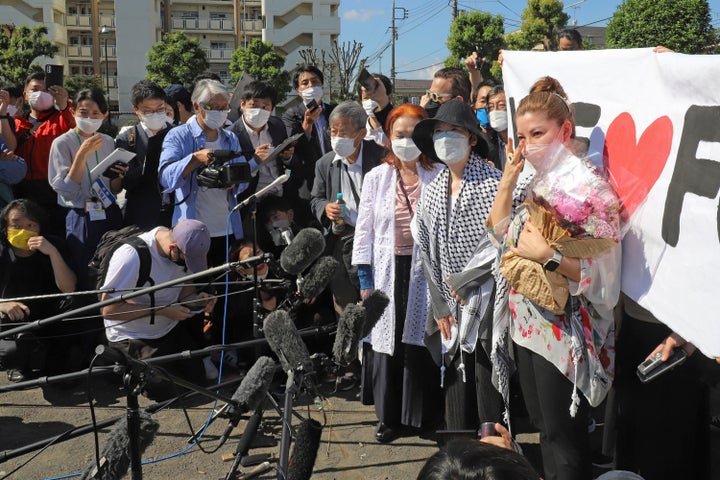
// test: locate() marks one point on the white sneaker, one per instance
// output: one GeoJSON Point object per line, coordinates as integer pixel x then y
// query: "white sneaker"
{"type": "Point", "coordinates": [211, 371]}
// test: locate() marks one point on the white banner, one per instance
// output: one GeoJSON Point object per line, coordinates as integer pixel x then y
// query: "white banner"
{"type": "Point", "coordinates": [655, 120]}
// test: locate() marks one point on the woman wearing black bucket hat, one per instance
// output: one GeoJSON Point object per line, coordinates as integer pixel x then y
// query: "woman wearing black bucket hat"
{"type": "Point", "coordinates": [457, 258]}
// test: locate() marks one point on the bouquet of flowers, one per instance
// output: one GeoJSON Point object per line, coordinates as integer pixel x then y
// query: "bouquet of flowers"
{"type": "Point", "coordinates": [578, 213]}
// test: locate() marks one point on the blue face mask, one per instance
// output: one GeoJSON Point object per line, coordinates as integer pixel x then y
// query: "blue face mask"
{"type": "Point", "coordinates": [482, 117]}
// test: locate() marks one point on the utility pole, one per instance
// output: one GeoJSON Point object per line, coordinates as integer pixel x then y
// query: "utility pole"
{"type": "Point", "coordinates": [393, 33]}
{"type": "Point", "coordinates": [455, 10]}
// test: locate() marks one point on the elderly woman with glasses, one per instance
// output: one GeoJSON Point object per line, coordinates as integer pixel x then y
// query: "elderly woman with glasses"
{"type": "Point", "coordinates": [187, 150]}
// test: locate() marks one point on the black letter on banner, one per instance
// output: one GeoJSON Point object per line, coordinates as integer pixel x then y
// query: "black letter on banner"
{"type": "Point", "coordinates": [586, 115]}
{"type": "Point", "coordinates": [692, 175]}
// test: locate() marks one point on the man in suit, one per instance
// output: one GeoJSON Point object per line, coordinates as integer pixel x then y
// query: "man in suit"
{"type": "Point", "coordinates": [258, 132]}
{"type": "Point", "coordinates": [144, 205]}
{"type": "Point", "coordinates": [313, 122]}
{"type": "Point", "coordinates": [342, 170]}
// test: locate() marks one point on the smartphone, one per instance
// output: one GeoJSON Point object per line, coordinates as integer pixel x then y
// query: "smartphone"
{"type": "Point", "coordinates": [366, 80]}
{"type": "Point", "coordinates": [652, 368]}
{"type": "Point", "coordinates": [195, 311]}
{"type": "Point", "coordinates": [110, 173]}
{"type": "Point", "coordinates": [53, 75]}
{"type": "Point", "coordinates": [312, 105]}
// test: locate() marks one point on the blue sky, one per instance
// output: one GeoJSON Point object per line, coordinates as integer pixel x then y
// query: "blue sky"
{"type": "Point", "coordinates": [420, 46]}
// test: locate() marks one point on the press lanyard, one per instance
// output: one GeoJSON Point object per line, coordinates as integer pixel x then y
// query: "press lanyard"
{"type": "Point", "coordinates": [407, 197]}
{"type": "Point", "coordinates": [352, 184]}
{"type": "Point", "coordinates": [87, 169]}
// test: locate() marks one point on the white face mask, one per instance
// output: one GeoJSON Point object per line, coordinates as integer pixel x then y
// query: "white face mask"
{"type": "Point", "coordinates": [153, 121]}
{"type": "Point", "coordinates": [88, 125]}
{"type": "Point", "coordinates": [343, 146]}
{"type": "Point", "coordinates": [498, 120]}
{"type": "Point", "coordinates": [405, 149]}
{"type": "Point", "coordinates": [451, 147]}
{"type": "Point", "coordinates": [369, 105]}
{"type": "Point", "coordinates": [169, 119]}
{"type": "Point", "coordinates": [40, 101]}
{"type": "Point", "coordinates": [11, 110]}
{"type": "Point", "coordinates": [312, 93]}
{"type": "Point", "coordinates": [215, 119]}
{"type": "Point", "coordinates": [256, 117]}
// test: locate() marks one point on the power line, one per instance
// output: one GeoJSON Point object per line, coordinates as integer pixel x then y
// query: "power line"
{"type": "Point", "coordinates": [422, 68]}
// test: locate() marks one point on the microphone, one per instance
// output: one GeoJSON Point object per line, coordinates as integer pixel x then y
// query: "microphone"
{"type": "Point", "coordinates": [318, 277]}
{"type": "Point", "coordinates": [285, 341]}
{"type": "Point", "coordinates": [355, 323]}
{"type": "Point", "coordinates": [115, 457]}
{"type": "Point", "coordinates": [307, 444]}
{"type": "Point", "coordinates": [251, 392]}
{"type": "Point", "coordinates": [278, 181]}
{"type": "Point", "coordinates": [307, 246]}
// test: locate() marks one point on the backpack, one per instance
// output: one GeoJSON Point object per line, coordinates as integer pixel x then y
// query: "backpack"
{"type": "Point", "coordinates": [111, 241]}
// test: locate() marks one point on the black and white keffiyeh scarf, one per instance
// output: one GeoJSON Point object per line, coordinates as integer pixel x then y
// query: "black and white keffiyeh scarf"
{"type": "Point", "coordinates": [448, 240]}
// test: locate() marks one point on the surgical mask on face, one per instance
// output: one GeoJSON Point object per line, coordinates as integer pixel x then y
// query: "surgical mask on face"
{"type": "Point", "coordinates": [312, 93]}
{"type": "Point", "coordinates": [498, 120]}
{"type": "Point", "coordinates": [18, 237]}
{"type": "Point", "coordinates": [153, 121]}
{"type": "Point", "coordinates": [369, 105]}
{"type": "Point", "coordinates": [215, 119]}
{"type": "Point", "coordinates": [88, 125]}
{"type": "Point", "coordinates": [11, 110]}
{"type": "Point", "coordinates": [482, 116]}
{"type": "Point", "coordinates": [281, 233]}
{"type": "Point", "coordinates": [451, 147]}
{"type": "Point", "coordinates": [169, 119]}
{"type": "Point", "coordinates": [40, 101]}
{"type": "Point", "coordinates": [256, 117]}
{"type": "Point", "coordinates": [405, 149]}
{"type": "Point", "coordinates": [536, 154]}
{"type": "Point", "coordinates": [343, 146]}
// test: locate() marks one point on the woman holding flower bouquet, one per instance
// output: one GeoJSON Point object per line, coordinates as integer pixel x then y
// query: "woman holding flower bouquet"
{"type": "Point", "coordinates": [558, 279]}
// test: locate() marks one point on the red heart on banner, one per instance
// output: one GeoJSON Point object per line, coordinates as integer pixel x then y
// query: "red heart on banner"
{"type": "Point", "coordinates": [634, 167]}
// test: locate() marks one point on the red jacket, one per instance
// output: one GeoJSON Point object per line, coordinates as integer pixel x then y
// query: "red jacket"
{"type": "Point", "coordinates": [36, 149]}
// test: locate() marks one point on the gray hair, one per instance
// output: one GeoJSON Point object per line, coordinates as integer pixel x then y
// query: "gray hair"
{"type": "Point", "coordinates": [353, 111]}
{"type": "Point", "coordinates": [208, 88]}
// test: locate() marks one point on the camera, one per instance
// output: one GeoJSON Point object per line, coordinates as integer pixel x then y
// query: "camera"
{"type": "Point", "coordinates": [220, 174]}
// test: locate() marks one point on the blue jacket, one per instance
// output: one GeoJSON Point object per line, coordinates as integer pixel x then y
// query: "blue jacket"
{"type": "Point", "coordinates": [179, 145]}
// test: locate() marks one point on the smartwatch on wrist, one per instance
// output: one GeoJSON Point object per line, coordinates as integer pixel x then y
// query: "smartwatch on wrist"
{"type": "Point", "coordinates": [553, 262]}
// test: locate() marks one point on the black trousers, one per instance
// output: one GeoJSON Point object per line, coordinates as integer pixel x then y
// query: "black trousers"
{"type": "Point", "coordinates": [662, 426]}
{"type": "Point", "coordinates": [473, 401]}
{"type": "Point", "coordinates": [564, 440]}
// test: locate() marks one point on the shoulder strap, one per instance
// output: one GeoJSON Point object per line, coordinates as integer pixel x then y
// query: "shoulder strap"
{"type": "Point", "coordinates": [145, 265]}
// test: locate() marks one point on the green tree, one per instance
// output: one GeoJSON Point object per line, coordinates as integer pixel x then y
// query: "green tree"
{"type": "Point", "coordinates": [177, 58]}
{"type": "Point", "coordinates": [262, 62]}
{"type": "Point", "coordinates": [80, 82]}
{"type": "Point", "coordinates": [681, 25]}
{"type": "Point", "coordinates": [19, 47]}
{"type": "Point", "coordinates": [541, 22]}
{"type": "Point", "coordinates": [475, 31]}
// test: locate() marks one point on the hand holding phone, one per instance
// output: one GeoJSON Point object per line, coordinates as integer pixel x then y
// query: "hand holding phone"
{"type": "Point", "coordinates": [654, 366]}
{"type": "Point", "coordinates": [53, 75]}
{"type": "Point", "coordinates": [312, 105]}
{"type": "Point", "coordinates": [366, 80]}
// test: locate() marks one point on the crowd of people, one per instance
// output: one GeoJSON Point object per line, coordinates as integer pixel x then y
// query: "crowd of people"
{"type": "Point", "coordinates": [438, 212]}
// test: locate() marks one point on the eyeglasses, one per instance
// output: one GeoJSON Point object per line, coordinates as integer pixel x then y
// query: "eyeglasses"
{"type": "Point", "coordinates": [435, 97]}
{"type": "Point", "coordinates": [152, 112]}
{"type": "Point", "coordinates": [213, 109]}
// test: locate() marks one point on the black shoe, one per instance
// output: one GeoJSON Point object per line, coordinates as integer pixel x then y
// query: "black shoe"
{"type": "Point", "coordinates": [386, 434]}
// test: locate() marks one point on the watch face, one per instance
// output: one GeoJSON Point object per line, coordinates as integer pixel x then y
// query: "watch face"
{"type": "Point", "coordinates": [551, 265]}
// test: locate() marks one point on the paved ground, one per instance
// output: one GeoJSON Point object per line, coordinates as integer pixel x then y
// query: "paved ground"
{"type": "Point", "coordinates": [348, 450]}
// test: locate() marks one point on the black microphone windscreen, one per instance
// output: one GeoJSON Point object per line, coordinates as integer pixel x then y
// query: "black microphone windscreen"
{"type": "Point", "coordinates": [285, 341]}
{"type": "Point", "coordinates": [117, 447]}
{"type": "Point", "coordinates": [255, 385]}
{"type": "Point", "coordinates": [307, 246]}
{"type": "Point", "coordinates": [345, 348]}
{"type": "Point", "coordinates": [318, 277]}
{"type": "Point", "coordinates": [307, 444]}
{"type": "Point", "coordinates": [374, 305]}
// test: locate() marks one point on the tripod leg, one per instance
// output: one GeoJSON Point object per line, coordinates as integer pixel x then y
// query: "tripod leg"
{"type": "Point", "coordinates": [245, 441]}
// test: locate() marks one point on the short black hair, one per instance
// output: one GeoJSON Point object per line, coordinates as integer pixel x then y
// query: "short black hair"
{"type": "Point", "coordinates": [93, 94]}
{"type": "Point", "coordinates": [460, 82]}
{"type": "Point", "coordinates": [145, 89]}
{"type": "Point", "coordinates": [15, 92]}
{"type": "Point", "coordinates": [260, 89]}
{"type": "Point", "coordinates": [489, 82]}
{"type": "Point", "coordinates": [572, 35]}
{"type": "Point", "coordinates": [178, 93]}
{"type": "Point", "coordinates": [304, 67]}
{"type": "Point", "coordinates": [385, 81]}
{"type": "Point", "coordinates": [40, 76]}
{"type": "Point", "coordinates": [270, 205]}
{"type": "Point", "coordinates": [494, 91]}
{"type": "Point", "coordinates": [29, 208]}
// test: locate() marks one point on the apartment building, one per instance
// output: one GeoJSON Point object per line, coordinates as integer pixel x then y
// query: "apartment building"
{"type": "Point", "coordinates": [111, 38]}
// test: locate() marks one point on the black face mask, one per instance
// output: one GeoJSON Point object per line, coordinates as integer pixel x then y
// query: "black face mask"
{"type": "Point", "coordinates": [180, 263]}
{"type": "Point", "coordinates": [431, 108]}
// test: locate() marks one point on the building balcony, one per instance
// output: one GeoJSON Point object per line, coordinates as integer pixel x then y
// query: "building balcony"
{"type": "Point", "coordinates": [220, 54]}
{"type": "Point", "coordinates": [213, 25]}
{"type": "Point", "coordinates": [86, 51]}
{"type": "Point", "coordinates": [253, 26]}
{"type": "Point", "coordinates": [85, 21]}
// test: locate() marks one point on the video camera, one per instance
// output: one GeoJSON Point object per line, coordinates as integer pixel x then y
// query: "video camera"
{"type": "Point", "coordinates": [220, 174]}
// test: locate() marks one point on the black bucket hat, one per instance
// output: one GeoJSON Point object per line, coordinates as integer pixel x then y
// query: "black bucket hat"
{"type": "Point", "coordinates": [457, 113]}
